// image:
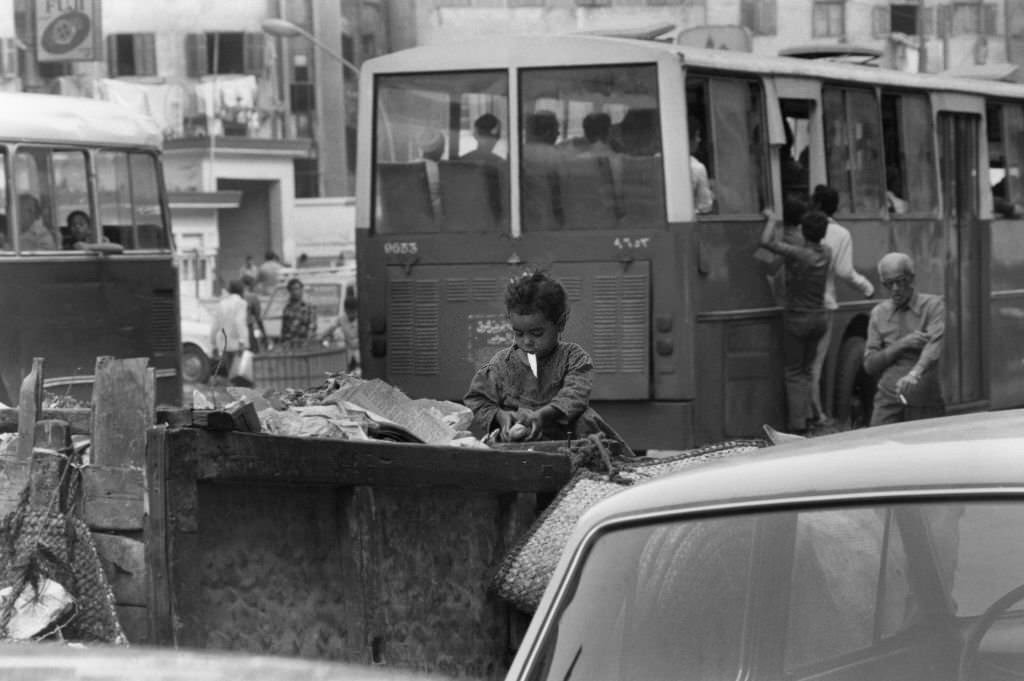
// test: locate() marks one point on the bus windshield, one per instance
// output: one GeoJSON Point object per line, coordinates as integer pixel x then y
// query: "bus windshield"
{"type": "Point", "coordinates": [85, 247]}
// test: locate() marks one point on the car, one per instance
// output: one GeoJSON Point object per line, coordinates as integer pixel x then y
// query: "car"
{"type": "Point", "coordinates": [101, 662]}
{"type": "Point", "coordinates": [196, 350]}
{"type": "Point", "coordinates": [886, 553]}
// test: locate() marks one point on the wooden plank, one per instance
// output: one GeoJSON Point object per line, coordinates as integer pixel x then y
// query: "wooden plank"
{"type": "Point", "coordinates": [161, 630]}
{"type": "Point", "coordinates": [123, 408]}
{"type": "Point", "coordinates": [78, 418]}
{"type": "Point", "coordinates": [14, 476]}
{"type": "Point", "coordinates": [239, 456]}
{"type": "Point", "coordinates": [30, 402]}
{"type": "Point", "coordinates": [124, 562]}
{"type": "Point", "coordinates": [113, 498]}
{"type": "Point", "coordinates": [47, 488]}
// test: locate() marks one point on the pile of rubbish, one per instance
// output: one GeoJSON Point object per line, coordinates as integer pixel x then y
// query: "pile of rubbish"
{"type": "Point", "coordinates": [346, 407]}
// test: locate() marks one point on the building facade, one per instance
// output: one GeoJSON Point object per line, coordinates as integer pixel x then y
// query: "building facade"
{"type": "Point", "coordinates": [259, 126]}
{"type": "Point", "coordinates": [922, 35]}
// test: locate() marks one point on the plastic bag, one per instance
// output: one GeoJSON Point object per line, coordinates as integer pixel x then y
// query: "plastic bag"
{"type": "Point", "coordinates": [241, 368]}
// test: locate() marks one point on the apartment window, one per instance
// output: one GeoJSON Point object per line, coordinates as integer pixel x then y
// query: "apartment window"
{"type": "Point", "coordinates": [454, 3]}
{"type": "Point", "coordinates": [971, 17]}
{"type": "Point", "coordinates": [593, 3]}
{"type": "Point", "coordinates": [55, 69]}
{"type": "Point", "coordinates": [527, 3]}
{"type": "Point", "coordinates": [829, 18]}
{"type": "Point", "coordinates": [208, 53]}
{"type": "Point", "coordinates": [131, 54]}
{"type": "Point", "coordinates": [307, 178]}
{"type": "Point", "coordinates": [759, 16]}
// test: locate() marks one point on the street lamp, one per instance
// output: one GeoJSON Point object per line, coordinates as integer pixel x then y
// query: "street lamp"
{"type": "Point", "coordinates": [282, 28]}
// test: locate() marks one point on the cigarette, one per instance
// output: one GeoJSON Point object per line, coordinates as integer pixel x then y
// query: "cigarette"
{"type": "Point", "coordinates": [532, 359]}
{"type": "Point", "coordinates": [903, 399]}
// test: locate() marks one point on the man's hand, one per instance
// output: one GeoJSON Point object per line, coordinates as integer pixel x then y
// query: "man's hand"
{"type": "Point", "coordinates": [907, 382]}
{"type": "Point", "coordinates": [915, 340]}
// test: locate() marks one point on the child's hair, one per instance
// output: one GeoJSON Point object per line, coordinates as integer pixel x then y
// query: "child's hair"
{"type": "Point", "coordinates": [537, 292]}
{"type": "Point", "coordinates": [814, 224]}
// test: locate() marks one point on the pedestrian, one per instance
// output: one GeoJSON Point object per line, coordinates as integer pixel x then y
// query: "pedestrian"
{"type": "Point", "coordinates": [539, 386]}
{"type": "Point", "coordinates": [837, 238]}
{"type": "Point", "coordinates": [249, 269]}
{"type": "Point", "coordinates": [269, 272]}
{"type": "Point", "coordinates": [298, 319]}
{"type": "Point", "coordinates": [345, 332]}
{"type": "Point", "coordinates": [254, 318]}
{"type": "Point", "coordinates": [229, 334]}
{"type": "Point", "coordinates": [803, 318]}
{"type": "Point", "coordinates": [905, 335]}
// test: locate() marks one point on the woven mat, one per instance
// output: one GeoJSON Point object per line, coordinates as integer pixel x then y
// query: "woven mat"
{"type": "Point", "coordinates": [527, 568]}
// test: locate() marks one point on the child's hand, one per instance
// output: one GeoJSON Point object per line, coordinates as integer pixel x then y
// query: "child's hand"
{"type": "Point", "coordinates": [535, 420]}
{"type": "Point", "coordinates": [505, 419]}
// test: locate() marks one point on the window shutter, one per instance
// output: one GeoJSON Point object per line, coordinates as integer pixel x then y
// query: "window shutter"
{"type": "Point", "coordinates": [254, 45]}
{"type": "Point", "coordinates": [112, 57]}
{"type": "Point", "coordinates": [927, 21]}
{"type": "Point", "coordinates": [196, 64]}
{"type": "Point", "coordinates": [8, 57]}
{"type": "Point", "coordinates": [990, 19]}
{"type": "Point", "coordinates": [880, 21]}
{"type": "Point", "coordinates": [943, 20]}
{"type": "Point", "coordinates": [766, 17]}
{"type": "Point", "coordinates": [144, 45]}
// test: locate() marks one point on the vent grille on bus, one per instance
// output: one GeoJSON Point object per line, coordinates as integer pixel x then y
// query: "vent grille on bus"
{"type": "Point", "coordinates": [163, 324]}
{"type": "Point", "coordinates": [413, 341]}
{"type": "Point", "coordinates": [620, 324]}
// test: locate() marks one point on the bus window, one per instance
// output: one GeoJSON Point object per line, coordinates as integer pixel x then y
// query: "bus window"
{"type": "Point", "coordinates": [6, 240]}
{"type": "Point", "coordinates": [33, 170]}
{"type": "Point", "coordinates": [730, 113]}
{"type": "Point", "coordinates": [794, 154]}
{"type": "Point", "coordinates": [70, 193]}
{"type": "Point", "coordinates": [129, 210]}
{"type": "Point", "coordinates": [442, 152]}
{"type": "Point", "coordinates": [852, 131]}
{"type": "Point", "coordinates": [1006, 174]}
{"type": "Point", "coordinates": [909, 159]}
{"type": "Point", "coordinates": [591, 156]}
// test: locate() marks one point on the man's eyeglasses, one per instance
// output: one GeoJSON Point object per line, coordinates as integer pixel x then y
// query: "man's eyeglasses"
{"type": "Point", "coordinates": [903, 282]}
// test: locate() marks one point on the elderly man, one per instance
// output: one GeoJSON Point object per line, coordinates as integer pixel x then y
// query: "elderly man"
{"type": "Point", "coordinates": [904, 345]}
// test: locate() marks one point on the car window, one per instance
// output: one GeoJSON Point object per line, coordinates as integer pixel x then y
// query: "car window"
{"type": "Point", "coordinates": [873, 590]}
{"type": "Point", "coordinates": [849, 583]}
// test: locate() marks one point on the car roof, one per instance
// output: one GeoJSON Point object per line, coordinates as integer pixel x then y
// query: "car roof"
{"type": "Point", "coordinates": [983, 451]}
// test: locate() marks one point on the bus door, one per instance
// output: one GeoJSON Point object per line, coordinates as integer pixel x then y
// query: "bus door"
{"type": "Point", "coordinates": [963, 356]}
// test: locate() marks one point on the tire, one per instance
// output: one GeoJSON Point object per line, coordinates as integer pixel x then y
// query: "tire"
{"type": "Point", "coordinates": [855, 389]}
{"type": "Point", "coordinates": [195, 365]}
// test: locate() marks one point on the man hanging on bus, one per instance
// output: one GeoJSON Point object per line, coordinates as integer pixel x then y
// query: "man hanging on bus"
{"type": "Point", "coordinates": [905, 337]}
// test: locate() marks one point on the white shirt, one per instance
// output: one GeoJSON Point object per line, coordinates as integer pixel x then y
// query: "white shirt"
{"type": "Point", "coordinates": [230, 316]}
{"type": "Point", "coordinates": [838, 239]}
{"type": "Point", "coordinates": [703, 199]}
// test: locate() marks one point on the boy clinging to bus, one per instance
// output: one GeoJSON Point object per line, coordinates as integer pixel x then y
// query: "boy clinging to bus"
{"type": "Point", "coordinates": [539, 387]}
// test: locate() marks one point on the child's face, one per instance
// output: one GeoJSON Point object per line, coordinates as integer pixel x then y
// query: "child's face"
{"type": "Point", "coordinates": [534, 332]}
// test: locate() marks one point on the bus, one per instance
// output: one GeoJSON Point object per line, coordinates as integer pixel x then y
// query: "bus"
{"type": "Point", "coordinates": [86, 254]}
{"type": "Point", "coordinates": [667, 296]}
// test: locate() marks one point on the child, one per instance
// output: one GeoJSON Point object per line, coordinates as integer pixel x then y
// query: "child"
{"type": "Point", "coordinates": [552, 403]}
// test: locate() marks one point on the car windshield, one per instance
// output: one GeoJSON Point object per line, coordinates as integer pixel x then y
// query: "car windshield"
{"type": "Point", "coordinates": [879, 590]}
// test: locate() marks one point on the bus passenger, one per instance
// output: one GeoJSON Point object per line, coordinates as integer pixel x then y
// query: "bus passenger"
{"type": "Point", "coordinates": [431, 143]}
{"type": "Point", "coordinates": [35, 236]}
{"type": "Point", "coordinates": [542, 200]}
{"type": "Point", "coordinates": [78, 231]}
{"type": "Point", "coordinates": [837, 238]}
{"type": "Point", "coordinates": [803, 319]}
{"type": "Point", "coordinates": [540, 383]}
{"type": "Point", "coordinates": [486, 131]}
{"type": "Point", "coordinates": [703, 198]}
{"type": "Point", "coordinates": [905, 336]}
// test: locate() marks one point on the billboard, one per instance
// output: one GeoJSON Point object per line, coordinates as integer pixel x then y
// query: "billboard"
{"type": "Point", "coordinates": [68, 30]}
